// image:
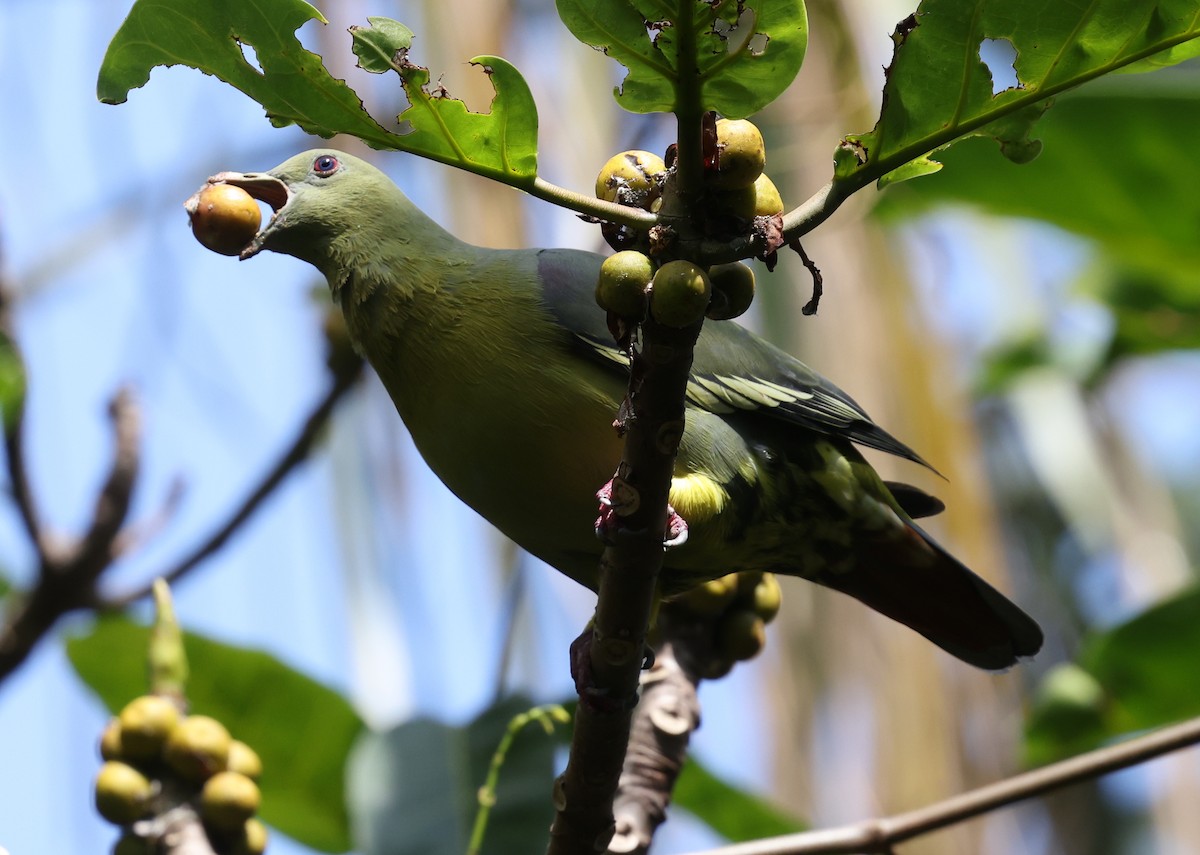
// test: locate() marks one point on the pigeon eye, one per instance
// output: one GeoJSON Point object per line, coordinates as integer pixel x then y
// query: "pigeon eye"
{"type": "Point", "coordinates": [326, 165]}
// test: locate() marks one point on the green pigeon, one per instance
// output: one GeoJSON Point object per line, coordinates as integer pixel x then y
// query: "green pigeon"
{"type": "Point", "coordinates": [503, 369]}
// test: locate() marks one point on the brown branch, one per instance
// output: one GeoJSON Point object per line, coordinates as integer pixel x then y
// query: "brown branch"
{"type": "Point", "coordinates": [667, 715]}
{"type": "Point", "coordinates": [67, 573]}
{"type": "Point", "coordinates": [14, 428]}
{"type": "Point", "coordinates": [880, 835]}
{"type": "Point", "coordinates": [607, 658]}
{"type": "Point", "coordinates": [295, 454]}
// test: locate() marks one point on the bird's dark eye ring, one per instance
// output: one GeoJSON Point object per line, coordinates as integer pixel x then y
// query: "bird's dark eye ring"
{"type": "Point", "coordinates": [325, 165]}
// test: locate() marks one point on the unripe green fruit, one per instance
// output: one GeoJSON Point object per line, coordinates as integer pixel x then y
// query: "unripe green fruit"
{"type": "Point", "coordinates": [767, 597]}
{"type": "Point", "coordinates": [621, 288]}
{"type": "Point", "coordinates": [717, 667]}
{"type": "Point", "coordinates": [767, 201]}
{"type": "Point", "coordinates": [251, 841]}
{"type": "Point", "coordinates": [632, 178]}
{"type": "Point", "coordinates": [197, 748]}
{"type": "Point", "coordinates": [228, 800]}
{"type": "Point", "coordinates": [741, 154]}
{"type": "Point", "coordinates": [110, 740]}
{"type": "Point", "coordinates": [679, 294]}
{"type": "Point", "coordinates": [732, 290]}
{"type": "Point", "coordinates": [711, 598]}
{"type": "Point", "coordinates": [146, 722]}
{"type": "Point", "coordinates": [122, 793]}
{"type": "Point", "coordinates": [224, 218]}
{"type": "Point", "coordinates": [741, 634]}
{"type": "Point", "coordinates": [244, 760]}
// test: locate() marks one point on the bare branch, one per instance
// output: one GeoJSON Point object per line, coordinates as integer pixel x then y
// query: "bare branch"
{"type": "Point", "coordinates": [880, 835]}
{"type": "Point", "coordinates": [295, 454]}
{"type": "Point", "coordinates": [666, 717]}
{"type": "Point", "coordinates": [14, 429]}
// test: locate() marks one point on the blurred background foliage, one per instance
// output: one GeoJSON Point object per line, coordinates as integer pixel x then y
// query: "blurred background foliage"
{"type": "Point", "coordinates": [1030, 329]}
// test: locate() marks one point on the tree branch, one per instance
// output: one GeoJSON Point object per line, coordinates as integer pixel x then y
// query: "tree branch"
{"type": "Point", "coordinates": [301, 446]}
{"type": "Point", "coordinates": [880, 835]}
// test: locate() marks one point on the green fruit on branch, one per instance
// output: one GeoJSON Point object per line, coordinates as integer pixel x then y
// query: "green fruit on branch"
{"type": "Point", "coordinates": [767, 597]}
{"type": "Point", "coordinates": [146, 722]}
{"type": "Point", "coordinates": [741, 154]}
{"type": "Point", "coordinates": [741, 634]}
{"type": "Point", "coordinates": [122, 793]}
{"type": "Point", "coordinates": [621, 288]}
{"type": "Point", "coordinates": [767, 201]}
{"type": "Point", "coordinates": [244, 760]}
{"type": "Point", "coordinates": [224, 218]}
{"type": "Point", "coordinates": [711, 598]}
{"type": "Point", "coordinates": [228, 800]}
{"type": "Point", "coordinates": [732, 290]}
{"type": "Point", "coordinates": [197, 748]}
{"type": "Point", "coordinates": [679, 294]}
{"type": "Point", "coordinates": [252, 840]}
{"type": "Point", "coordinates": [110, 740]}
{"type": "Point", "coordinates": [631, 178]}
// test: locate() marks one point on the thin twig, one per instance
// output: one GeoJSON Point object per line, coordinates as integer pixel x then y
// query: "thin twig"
{"type": "Point", "coordinates": [295, 454]}
{"type": "Point", "coordinates": [879, 835]}
{"type": "Point", "coordinates": [14, 427]}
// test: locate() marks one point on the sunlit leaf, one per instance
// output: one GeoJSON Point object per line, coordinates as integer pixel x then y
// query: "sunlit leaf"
{"type": "Point", "coordinates": [731, 812]}
{"type": "Point", "coordinates": [747, 51]}
{"type": "Point", "coordinates": [302, 730]}
{"type": "Point", "coordinates": [414, 789]}
{"type": "Point", "coordinates": [294, 86]}
{"type": "Point", "coordinates": [939, 89]}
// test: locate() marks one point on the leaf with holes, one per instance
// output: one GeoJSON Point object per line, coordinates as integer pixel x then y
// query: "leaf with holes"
{"type": "Point", "coordinates": [294, 86]}
{"type": "Point", "coordinates": [939, 88]}
{"type": "Point", "coordinates": [442, 127]}
{"type": "Point", "coordinates": [746, 51]}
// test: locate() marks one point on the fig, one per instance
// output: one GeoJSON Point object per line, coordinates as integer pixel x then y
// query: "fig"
{"type": "Point", "coordinates": [146, 722]}
{"type": "Point", "coordinates": [228, 800]}
{"type": "Point", "coordinates": [732, 290]}
{"type": "Point", "coordinates": [224, 218]}
{"type": "Point", "coordinates": [122, 793]}
{"type": "Point", "coordinates": [197, 748]}
{"type": "Point", "coordinates": [631, 178]}
{"type": "Point", "coordinates": [621, 288]}
{"type": "Point", "coordinates": [741, 154]}
{"type": "Point", "coordinates": [679, 294]}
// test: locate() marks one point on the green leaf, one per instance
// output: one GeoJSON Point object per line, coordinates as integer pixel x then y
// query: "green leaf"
{"type": "Point", "coordinates": [1138, 675]}
{"type": "Point", "coordinates": [302, 730]}
{"type": "Point", "coordinates": [1111, 170]}
{"type": "Point", "coordinates": [5, 586]}
{"type": "Point", "coordinates": [504, 139]}
{"type": "Point", "coordinates": [413, 789]}
{"type": "Point", "coordinates": [939, 89]}
{"type": "Point", "coordinates": [295, 88]}
{"type": "Point", "coordinates": [733, 813]}
{"type": "Point", "coordinates": [747, 51]}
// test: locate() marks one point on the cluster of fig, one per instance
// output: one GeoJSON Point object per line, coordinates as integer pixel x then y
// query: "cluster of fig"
{"type": "Point", "coordinates": [157, 758]}
{"type": "Point", "coordinates": [679, 293]}
{"type": "Point", "coordinates": [737, 607]}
